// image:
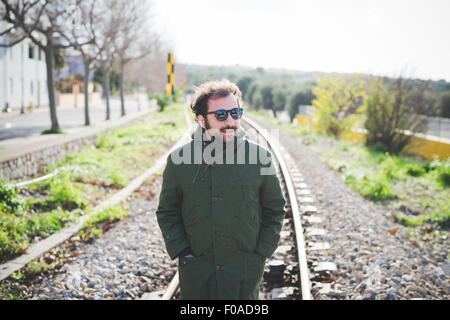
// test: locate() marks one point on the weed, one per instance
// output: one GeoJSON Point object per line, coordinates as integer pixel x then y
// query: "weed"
{"type": "Point", "coordinates": [415, 170]}
{"type": "Point", "coordinates": [10, 200]}
{"type": "Point", "coordinates": [92, 227]}
{"type": "Point", "coordinates": [374, 186]}
{"type": "Point", "coordinates": [17, 275]}
{"type": "Point", "coordinates": [63, 191]}
{"type": "Point", "coordinates": [444, 176]}
{"type": "Point", "coordinates": [6, 294]}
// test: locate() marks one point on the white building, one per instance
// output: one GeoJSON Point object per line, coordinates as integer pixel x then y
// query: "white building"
{"type": "Point", "coordinates": [23, 77]}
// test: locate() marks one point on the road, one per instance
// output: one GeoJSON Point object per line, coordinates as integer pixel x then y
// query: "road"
{"type": "Point", "coordinates": [33, 123]}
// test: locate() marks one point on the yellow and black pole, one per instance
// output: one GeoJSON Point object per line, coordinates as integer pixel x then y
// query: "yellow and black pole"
{"type": "Point", "coordinates": [170, 76]}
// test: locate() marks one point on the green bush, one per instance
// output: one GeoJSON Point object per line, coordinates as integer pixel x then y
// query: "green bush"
{"type": "Point", "coordinates": [17, 231]}
{"type": "Point", "coordinates": [10, 201]}
{"type": "Point", "coordinates": [431, 165]}
{"type": "Point", "coordinates": [379, 147]}
{"type": "Point", "coordinates": [105, 141]}
{"type": "Point", "coordinates": [375, 187]}
{"type": "Point", "coordinates": [13, 235]}
{"type": "Point", "coordinates": [63, 192]}
{"type": "Point", "coordinates": [388, 109]}
{"type": "Point", "coordinates": [444, 176]}
{"type": "Point", "coordinates": [45, 224]}
{"type": "Point", "coordinates": [162, 101]}
{"type": "Point", "coordinates": [415, 170]}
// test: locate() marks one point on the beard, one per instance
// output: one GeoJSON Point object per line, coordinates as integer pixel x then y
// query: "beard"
{"type": "Point", "coordinates": [225, 139]}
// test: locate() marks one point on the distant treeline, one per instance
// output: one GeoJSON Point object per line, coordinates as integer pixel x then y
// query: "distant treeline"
{"type": "Point", "coordinates": [278, 90]}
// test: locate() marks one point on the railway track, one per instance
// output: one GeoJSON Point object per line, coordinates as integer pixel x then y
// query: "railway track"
{"type": "Point", "coordinates": [286, 274]}
{"type": "Point", "coordinates": [129, 261]}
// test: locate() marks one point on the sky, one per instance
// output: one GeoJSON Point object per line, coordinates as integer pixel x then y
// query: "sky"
{"type": "Point", "coordinates": [382, 37]}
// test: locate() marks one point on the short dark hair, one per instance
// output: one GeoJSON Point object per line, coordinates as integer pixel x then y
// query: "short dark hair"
{"type": "Point", "coordinates": [213, 89]}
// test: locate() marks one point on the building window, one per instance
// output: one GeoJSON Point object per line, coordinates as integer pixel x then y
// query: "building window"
{"type": "Point", "coordinates": [11, 86]}
{"type": "Point", "coordinates": [31, 52]}
{"type": "Point", "coordinates": [40, 54]}
{"type": "Point", "coordinates": [11, 52]}
{"type": "Point", "coordinates": [31, 87]}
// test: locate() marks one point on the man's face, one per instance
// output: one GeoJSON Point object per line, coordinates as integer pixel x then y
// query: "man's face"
{"type": "Point", "coordinates": [228, 127]}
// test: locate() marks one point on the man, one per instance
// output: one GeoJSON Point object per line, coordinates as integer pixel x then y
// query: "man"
{"type": "Point", "coordinates": [221, 219]}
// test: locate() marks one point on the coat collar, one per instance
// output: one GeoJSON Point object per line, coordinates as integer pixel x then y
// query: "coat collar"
{"type": "Point", "coordinates": [238, 143]}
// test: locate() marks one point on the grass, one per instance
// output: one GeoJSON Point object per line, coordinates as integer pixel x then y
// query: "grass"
{"type": "Point", "coordinates": [395, 181]}
{"type": "Point", "coordinates": [50, 131]}
{"type": "Point", "coordinates": [86, 178]}
{"type": "Point", "coordinates": [101, 221]}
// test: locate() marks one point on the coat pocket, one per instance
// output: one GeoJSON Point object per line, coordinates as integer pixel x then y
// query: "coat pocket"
{"type": "Point", "coordinates": [193, 275]}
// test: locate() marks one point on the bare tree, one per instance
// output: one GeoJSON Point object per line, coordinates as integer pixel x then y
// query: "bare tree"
{"type": "Point", "coordinates": [82, 38]}
{"type": "Point", "coordinates": [134, 39]}
{"type": "Point", "coordinates": [107, 26]}
{"type": "Point", "coordinates": [47, 23]}
{"type": "Point", "coordinates": [151, 71]}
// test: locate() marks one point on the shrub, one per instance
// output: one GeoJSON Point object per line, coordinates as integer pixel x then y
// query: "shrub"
{"type": "Point", "coordinates": [389, 110]}
{"type": "Point", "coordinates": [13, 238]}
{"type": "Point", "coordinates": [105, 141]}
{"type": "Point", "coordinates": [415, 170]}
{"type": "Point", "coordinates": [378, 147]}
{"type": "Point", "coordinates": [162, 101]}
{"type": "Point", "coordinates": [444, 175]}
{"type": "Point", "coordinates": [63, 192]}
{"type": "Point", "coordinates": [374, 187]}
{"type": "Point", "coordinates": [10, 201]}
{"type": "Point", "coordinates": [338, 103]}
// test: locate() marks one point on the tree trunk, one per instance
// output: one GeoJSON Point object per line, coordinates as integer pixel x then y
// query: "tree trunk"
{"type": "Point", "coordinates": [86, 92]}
{"type": "Point", "coordinates": [50, 63]}
{"type": "Point", "coordinates": [106, 91]}
{"type": "Point", "coordinates": [122, 102]}
{"type": "Point", "coordinates": [274, 113]}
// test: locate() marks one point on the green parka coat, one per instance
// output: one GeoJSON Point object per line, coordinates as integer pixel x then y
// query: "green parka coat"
{"type": "Point", "coordinates": [230, 215]}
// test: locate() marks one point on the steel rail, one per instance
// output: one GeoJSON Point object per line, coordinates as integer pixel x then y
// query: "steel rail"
{"type": "Point", "coordinates": [301, 247]}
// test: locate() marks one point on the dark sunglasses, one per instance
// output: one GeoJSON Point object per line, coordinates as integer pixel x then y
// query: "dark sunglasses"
{"type": "Point", "coordinates": [222, 115]}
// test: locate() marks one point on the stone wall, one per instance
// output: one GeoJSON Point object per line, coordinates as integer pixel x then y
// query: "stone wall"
{"type": "Point", "coordinates": [34, 163]}
{"type": "Point", "coordinates": [30, 164]}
